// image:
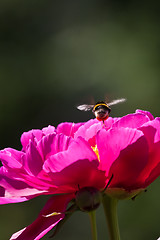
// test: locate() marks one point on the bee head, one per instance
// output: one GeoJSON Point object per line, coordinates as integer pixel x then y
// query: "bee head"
{"type": "Point", "coordinates": [101, 111]}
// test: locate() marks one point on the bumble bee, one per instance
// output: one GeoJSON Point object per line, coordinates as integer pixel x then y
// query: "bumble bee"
{"type": "Point", "coordinates": [101, 109]}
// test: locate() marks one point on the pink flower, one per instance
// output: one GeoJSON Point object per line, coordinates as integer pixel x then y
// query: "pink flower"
{"type": "Point", "coordinates": [49, 163]}
{"type": "Point", "coordinates": [128, 148]}
{"type": "Point", "coordinates": [77, 158]}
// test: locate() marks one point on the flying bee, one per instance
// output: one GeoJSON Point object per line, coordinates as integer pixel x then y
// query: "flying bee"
{"type": "Point", "coordinates": [101, 109]}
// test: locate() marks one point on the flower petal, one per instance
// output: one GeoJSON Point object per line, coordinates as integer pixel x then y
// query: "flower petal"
{"type": "Point", "coordinates": [151, 131]}
{"type": "Point", "coordinates": [11, 158]}
{"type": "Point", "coordinates": [133, 120]}
{"type": "Point", "coordinates": [52, 144]}
{"type": "Point", "coordinates": [67, 168]}
{"type": "Point", "coordinates": [35, 135]}
{"type": "Point", "coordinates": [79, 174]}
{"type": "Point", "coordinates": [68, 128]}
{"type": "Point", "coordinates": [77, 150]}
{"type": "Point", "coordinates": [32, 161]}
{"type": "Point", "coordinates": [152, 169]}
{"type": "Point", "coordinates": [44, 224]}
{"type": "Point", "coordinates": [32, 135]}
{"type": "Point", "coordinates": [145, 113]}
{"type": "Point", "coordinates": [12, 190]}
{"type": "Point", "coordinates": [153, 174]}
{"type": "Point", "coordinates": [89, 130]}
{"type": "Point", "coordinates": [48, 130]}
{"type": "Point", "coordinates": [123, 153]}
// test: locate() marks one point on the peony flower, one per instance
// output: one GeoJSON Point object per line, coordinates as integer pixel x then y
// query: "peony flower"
{"type": "Point", "coordinates": [78, 162]}
{"type": "Point", "coordinates": [127, 148]}
{"type": "Point", "coordinates": [49, 164]}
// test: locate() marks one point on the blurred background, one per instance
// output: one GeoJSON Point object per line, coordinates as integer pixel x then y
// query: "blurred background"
{"type": "Point", "coordinates": [55, 55]}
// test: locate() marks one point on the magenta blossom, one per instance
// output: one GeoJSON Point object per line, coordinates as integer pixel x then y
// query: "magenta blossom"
{"type": "Point", "coordinates": [49, 163]}
{"type": "Point", "coordinates": [77, 158]}
{"type": "Point", "coordinates": [127, 147]}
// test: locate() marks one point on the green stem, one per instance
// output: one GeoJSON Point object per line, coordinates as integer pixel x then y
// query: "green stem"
{"type": "Point", "coordinates": [93, 224]}
{"type": "Point", "coordinates": [110, 208]}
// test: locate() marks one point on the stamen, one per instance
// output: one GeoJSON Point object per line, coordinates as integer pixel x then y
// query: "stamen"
{"type": "Point", "coordinates": [95, 149]}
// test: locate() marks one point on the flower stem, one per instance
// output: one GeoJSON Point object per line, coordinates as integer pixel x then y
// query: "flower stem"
{"type": "Point", "coordinates": [93, 225]}
{"type": "Point", "coordinates": [110, 209]}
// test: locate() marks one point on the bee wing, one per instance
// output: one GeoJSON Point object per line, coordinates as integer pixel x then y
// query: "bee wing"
{"type": "Point", "coordinates": [85, 107]}
{"type": "Point", "coordinates": [116, 101]}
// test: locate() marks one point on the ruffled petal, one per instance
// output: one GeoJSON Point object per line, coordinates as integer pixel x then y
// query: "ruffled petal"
{"type": "Point", "coordinates": [35, 135]}
{"type": "Point", "coordinates": [32, 161]}
{"type": "Point", "coordinates": [52, 144]}
{"type": "Point", "coordinates": [68, 128]}
{"type": "Point", "coordinates": [11, 158]}
{"type": "Point", "coordinates": [44, 224]}
{"type": "Point", "coordinates": [32, 135]}
{"type": "Point", "coordinates": [123, 153]}
{"type": "Point", "coordinates": [134, 120]}
{"type": "Point", "coordinates": [12, 190]}
{"type": "Point", "coordinates": [67, 168]}
{"type": "Point", "coordinates": [145, 113]}
{"type": "Point", "coordinates": [153, 175]}
{"type": "Point", "coordinates": [77, 150]}
{"type": "Point", "coordinates": [79, 174]}
{"type": "Point", "coordinates": [151, 131]}
{"type": "Point", "coordinates": [152, 169]}
{"type": "Point", "coordinates": [48, 130]}
{"type": "Point", "coordinates": [89, 130]}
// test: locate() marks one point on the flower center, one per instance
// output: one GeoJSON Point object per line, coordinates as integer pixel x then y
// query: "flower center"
{"type": "Point", "coordinates": [95, 149]}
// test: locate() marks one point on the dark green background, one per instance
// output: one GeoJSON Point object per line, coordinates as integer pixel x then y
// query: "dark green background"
{"type": "Point", "coordinates": [57, 54]}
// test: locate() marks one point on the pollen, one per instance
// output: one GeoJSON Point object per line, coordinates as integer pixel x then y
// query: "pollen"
{"type": "Point", "coordinates": [95, 149]}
